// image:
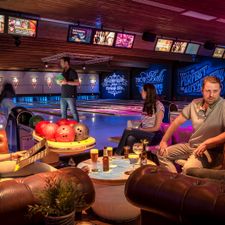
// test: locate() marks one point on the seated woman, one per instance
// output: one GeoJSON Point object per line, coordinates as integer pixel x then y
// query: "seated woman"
{"type": "Point", "coordinates": [6, 98]}
{"type": "Point", "coordinates": [151, 120]}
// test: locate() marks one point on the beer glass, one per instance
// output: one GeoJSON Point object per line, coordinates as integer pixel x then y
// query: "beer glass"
{"type": "Point", "coordinates": [94, 159]}
{"type": "Point", "coordinates": [137, 149]}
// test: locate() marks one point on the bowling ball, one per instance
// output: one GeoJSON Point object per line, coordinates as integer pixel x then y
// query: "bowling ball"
{"type": "Point", "coordinates": [50, 130]}
{"type": "Point", "coordinates": [40, 126]}
{"type": "Point", "coordinates": [81, 132]}
{"type": "Point", "coordinates": [62, 121]}
{"type": "Point", "coordinates": [65, 133]}
{"type": "Point", "coordinates": [34, 120]}
{"type": "Point", "coordinates": [59, 78]}
{"type": "Point", "coordinates": [72, 123]}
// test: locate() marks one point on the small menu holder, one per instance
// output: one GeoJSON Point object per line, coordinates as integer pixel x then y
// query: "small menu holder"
{"type": "Point", "coordinates": [38, 151]}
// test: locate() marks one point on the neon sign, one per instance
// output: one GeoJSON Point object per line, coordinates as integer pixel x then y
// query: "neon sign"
{"type": "Point", "coordinates": [115, 84]}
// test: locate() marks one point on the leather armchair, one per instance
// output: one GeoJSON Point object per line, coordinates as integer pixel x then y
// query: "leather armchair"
{"type": "Point", "coordinates": [172, 199]}
{"type": "Point", "coordinates": [17, 193]}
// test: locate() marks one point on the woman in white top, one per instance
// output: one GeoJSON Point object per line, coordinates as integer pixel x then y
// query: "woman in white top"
{"type": "Point", "coordinates": [151, 120]}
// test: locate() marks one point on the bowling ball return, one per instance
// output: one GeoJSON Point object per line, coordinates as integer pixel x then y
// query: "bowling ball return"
{"type": "Point", "coordinates": [61, 149]}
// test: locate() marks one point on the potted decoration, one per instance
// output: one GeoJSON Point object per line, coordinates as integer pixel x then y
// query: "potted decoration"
{"type": "Point", "coordinates": [58, 201]}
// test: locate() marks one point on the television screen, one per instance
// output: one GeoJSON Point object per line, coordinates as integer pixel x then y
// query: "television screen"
{"type": "Point", "coordinates": [218, 52]}
{"type": "Point", "coordinates": [21, 26]}
{"type": "Point", "coordinates": [192, 48]}
{"type": "Point", "coordinates": [2, 23]}
{"type": "Point", "coordinates": [163, 45]}
{"type": "Point", "coordinates": [103, 38]}
{"type": "Point", "coordinates": [79, 34]}
{"type": "Point", "coordinates": [124, 40]}
{"type": "Point", "coordinates": [179, 46]}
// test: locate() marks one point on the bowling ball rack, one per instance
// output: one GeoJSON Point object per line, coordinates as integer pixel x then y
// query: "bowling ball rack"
{"type": "Point", "coordinates": [74, 147]}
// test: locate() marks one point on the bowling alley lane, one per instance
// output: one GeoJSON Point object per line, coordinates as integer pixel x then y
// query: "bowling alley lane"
{"type": "Point", "coordinates": [104, 118]}
{"type": "Point", "coordinates": [103, 123]}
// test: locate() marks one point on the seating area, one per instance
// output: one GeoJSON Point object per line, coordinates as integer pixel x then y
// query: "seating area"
{"type": "Point", "coordinates": [176, 199]}
{"type": "Point", "coordinates": [17, 194]}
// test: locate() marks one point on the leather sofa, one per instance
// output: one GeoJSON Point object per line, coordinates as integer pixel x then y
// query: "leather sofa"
{"type": "Point", "coordinates": [17, 193]}
{"type": "Point", "coordinates": [172, 199]}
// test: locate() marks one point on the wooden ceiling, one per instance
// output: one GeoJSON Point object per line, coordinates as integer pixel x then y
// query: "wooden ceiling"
{"type": "Point", "coordinates": [161, 17]}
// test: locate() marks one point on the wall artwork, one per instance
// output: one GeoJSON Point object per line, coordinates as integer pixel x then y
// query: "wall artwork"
{"type": "Point", "coordinates": [156, 74]}
{"type": "Point", "coordinates": [189, 78]}
{"type": "Point", "coordinates": [115, 85]}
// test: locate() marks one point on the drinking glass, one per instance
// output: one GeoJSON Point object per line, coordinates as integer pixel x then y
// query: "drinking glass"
{"type": "Point", "coordinates": [138, 148]}
{"type": "Point", "coordinates": [133, 158]}
{"type": "Point", "coordinates": [94, 159]}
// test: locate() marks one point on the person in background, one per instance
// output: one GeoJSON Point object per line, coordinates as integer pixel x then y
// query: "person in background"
{"type": "Point", "coordinates": [6, 98]}
{"type": "Point", "coordinates": [151, 120]}
{"type": "Point", "coordinates": [68, 89]}
{"type": "Point", "coordinates": [208, 120]}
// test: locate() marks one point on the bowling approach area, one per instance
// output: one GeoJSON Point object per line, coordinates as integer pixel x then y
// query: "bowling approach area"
{"type": "Point", "coordinates": [104, 118]}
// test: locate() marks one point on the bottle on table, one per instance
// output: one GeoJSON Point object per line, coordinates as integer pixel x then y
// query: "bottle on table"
{"type": "Point", "coordinates": [105, 160]}
{"type": "Point", "coordinates": [126, 151]}
{"type": "Point", "coordinates": [143, 158]}
{"type": "Point", "coordinates": [110, 152]}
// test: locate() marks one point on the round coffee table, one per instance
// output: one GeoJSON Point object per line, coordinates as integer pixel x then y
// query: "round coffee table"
{"type": "Point", "coordinates": [110, 202]}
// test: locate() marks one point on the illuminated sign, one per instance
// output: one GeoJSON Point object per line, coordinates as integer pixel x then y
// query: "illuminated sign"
{"type": "Point", "coordinates": [115, 84]}
{"type": "Point", "coordinates": [153, 76]}
{"type": "Point", "coordinates": [190, 78]}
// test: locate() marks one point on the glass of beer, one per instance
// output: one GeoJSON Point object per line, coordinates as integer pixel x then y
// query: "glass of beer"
{"type": "Point", "coordinates": [94, 159]}
{"type": "Point", "coordinates": [138, 148]}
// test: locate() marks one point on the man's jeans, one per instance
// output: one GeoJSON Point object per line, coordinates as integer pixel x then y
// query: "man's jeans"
{"type": "Point", "coordinates": [71, 103]}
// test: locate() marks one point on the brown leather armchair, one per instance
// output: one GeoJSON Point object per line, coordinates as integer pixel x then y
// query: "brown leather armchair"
{"type": "Point", "coordinates": [16, 194]}
{"type": "Point", "coordinates": [172, 199]}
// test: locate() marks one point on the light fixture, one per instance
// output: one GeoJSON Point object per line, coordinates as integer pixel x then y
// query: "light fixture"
{"type": "Point", "coordinates": [49, 82]}
{"type": "Point", "coordinates": [46, 65]}
{"type": "Point", "coordinates": [84, 67]}
{"type": "Point", "coordinates": [34, 82]}
{"type": "Point", "coordinates": [15, 82]}
{"type": "Point", "coordinates": [80, 82]}
{"type": "Point", "coordinates": [93, 83]}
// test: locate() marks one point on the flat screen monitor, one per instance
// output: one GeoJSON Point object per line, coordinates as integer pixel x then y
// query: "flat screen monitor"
{"type": "Point", "coordinates": [124, 40]}
{"type": "Point", "coordinates": [105, 38]}
{"type": "Point", "coordinates": [163, 45]}
{"type": "Point", "coordinates": [2, 23]}
{"type": "Point", "coordinates": [192, 48]}
{"type": "Point", "coordinates": [79, 34]}
{"type": "Point", "coordinates": [22, 26]}
{"type": "Point", "coordinates": [179, 46]}
{"type": "Point", "coordinates": [218, 52]}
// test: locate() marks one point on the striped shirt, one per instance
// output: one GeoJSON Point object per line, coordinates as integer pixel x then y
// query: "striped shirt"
{"type": "Point", "coordinates": [149, 121]}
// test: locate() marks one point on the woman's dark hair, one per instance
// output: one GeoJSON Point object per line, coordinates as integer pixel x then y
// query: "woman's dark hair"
{"type": "Point", "coordinates": [7, 91]}
{"type": "Point", "coordinates": [150, 101]}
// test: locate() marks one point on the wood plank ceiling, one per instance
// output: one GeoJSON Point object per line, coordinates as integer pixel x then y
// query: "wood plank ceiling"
{"type": "Point", "coordinates": [161, 17]}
